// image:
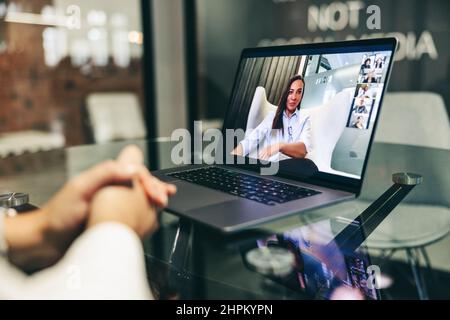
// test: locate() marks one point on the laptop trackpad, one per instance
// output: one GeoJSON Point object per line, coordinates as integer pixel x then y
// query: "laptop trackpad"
{"type": "Point", "coordinates": [191, 196]}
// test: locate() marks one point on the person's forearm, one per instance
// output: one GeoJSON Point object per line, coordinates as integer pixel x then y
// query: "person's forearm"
{"type": "Point", "coordinates": [93, 268]}
{"type": "Point", "coordinates": [28, 241]}
{"type": "Point", "coordinates": [294, 150]}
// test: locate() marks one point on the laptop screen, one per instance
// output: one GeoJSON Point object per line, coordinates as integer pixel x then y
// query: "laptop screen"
{"type": "Point", "coordinates": [313, 105]}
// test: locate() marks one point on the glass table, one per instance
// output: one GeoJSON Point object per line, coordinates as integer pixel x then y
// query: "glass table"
{"type": "Point", "coordinates": [298, 257]}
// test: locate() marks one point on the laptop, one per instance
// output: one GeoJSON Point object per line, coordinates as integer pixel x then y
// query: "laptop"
{"type": "Point", "coordinates": [302, 119]}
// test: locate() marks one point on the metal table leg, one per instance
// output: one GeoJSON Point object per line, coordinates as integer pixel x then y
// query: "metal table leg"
{"type": "Point", "coordinates": [418, 277]}
{"type": "Point", "coordinates": [180, 247]}
{"type": "Point", "coordinates": [176, 278]}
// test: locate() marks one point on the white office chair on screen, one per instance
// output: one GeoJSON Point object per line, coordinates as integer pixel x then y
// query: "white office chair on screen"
{"type": "Point", "coordinates": [259, 109]}
{"type": "Point", "coordinates": [328, 122]}
{"type": "Point", "coordinates": [115, 116]}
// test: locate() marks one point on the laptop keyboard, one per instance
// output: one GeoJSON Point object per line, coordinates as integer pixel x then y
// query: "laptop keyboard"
{"type": "Point", "coordinates": [258, 189]}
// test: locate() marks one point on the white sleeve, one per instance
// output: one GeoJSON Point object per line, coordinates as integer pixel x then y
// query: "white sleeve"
{"type": "Point", "coordinates": [105, 262]}
{"type": "Point", "coordinates": [258, 134]}
{"type": "Point", "coordinates": [305, 135]}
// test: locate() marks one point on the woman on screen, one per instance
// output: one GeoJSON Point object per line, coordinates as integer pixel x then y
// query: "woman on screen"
{"type": "Point", "coordinates": [379, 63]}
{"type": "Point", "coordinates": [366, 66]}
{"type": "Point", "coordinates": [359, 124]}
{"type": "Point", "coordinates": [287, 131]}
{"type": "Point", "coordinates": [370, 78]}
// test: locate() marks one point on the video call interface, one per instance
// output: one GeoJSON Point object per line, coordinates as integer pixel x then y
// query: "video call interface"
{"type": "Point", "coordinates": [326, 115]}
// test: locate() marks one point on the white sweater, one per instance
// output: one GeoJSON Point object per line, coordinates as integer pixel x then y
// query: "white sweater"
{"type": "Point", "coordinates": [105, 262]}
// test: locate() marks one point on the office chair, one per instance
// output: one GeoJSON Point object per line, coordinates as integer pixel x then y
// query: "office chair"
{"type": "Point", "coordinates": [413, 227]}
{"type": "Point", "coordinates": [259, 109]}
{"type": "Point", "coordinates": [115, 116]}
{"type": "Point", "coordinates": [328, 122]}
{"type": "Point", "coordinates": [17, 143]}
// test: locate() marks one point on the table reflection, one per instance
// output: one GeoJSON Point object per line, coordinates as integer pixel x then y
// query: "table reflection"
{"type": "Point", "coordinates": [323, 268]}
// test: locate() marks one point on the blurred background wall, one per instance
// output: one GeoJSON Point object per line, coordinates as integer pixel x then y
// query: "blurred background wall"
{"type": "Point", "coordinates": [224, 27]}
{"type": "Point", "coordinates": [174, 61]}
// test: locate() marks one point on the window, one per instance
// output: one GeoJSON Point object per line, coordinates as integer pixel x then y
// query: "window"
{"type": "Point", "coordinates": [54, 55]}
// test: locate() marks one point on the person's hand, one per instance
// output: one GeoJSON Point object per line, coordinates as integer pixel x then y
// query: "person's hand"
{"type": "Point", "coordinates": [238, 151]}
{"type": "Point", "coordinates": [40, 238]}
{"type": "Point", "coordinates": [269, 151]}
{"type": "Point", "coordinates": [128, 205]}
{"type": "Point", "coordinates": [68, 210]}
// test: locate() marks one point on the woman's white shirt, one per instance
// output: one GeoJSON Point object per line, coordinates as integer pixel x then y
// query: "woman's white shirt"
{"type": "Point", "coordinates": [296, 128]}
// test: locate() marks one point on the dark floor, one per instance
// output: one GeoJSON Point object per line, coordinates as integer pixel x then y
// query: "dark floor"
{"type": "Point", "coordinates": [403, 287]}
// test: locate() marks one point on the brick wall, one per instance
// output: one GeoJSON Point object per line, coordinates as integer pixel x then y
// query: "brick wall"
{"type": "Point", "coordinates": [32, 95]}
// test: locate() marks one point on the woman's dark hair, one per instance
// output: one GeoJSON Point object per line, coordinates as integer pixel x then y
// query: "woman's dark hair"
{"type": "Point", "coordinates": [365, 62]}
{"type": "Point", "coordinates": [278, 119]}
